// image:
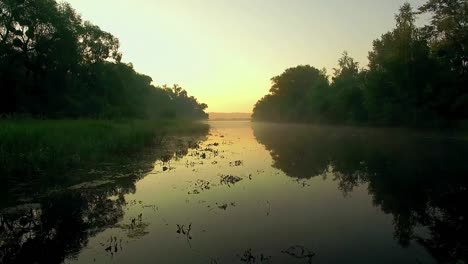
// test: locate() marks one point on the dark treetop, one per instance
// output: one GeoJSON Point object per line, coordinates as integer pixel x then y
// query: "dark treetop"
{"type": "Point", "coordinates": [415, 76]}
{"type": "Point", "coordinates": [54, 64]}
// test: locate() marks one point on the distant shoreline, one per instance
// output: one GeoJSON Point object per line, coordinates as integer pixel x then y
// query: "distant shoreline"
{"type": "Point", "coordinates": [214, 116]}
{"type": "Point", "coordinates": [230, 119]}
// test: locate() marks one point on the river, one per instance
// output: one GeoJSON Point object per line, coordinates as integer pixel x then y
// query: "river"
{"type": "Point", "coordinates": [261, 193]}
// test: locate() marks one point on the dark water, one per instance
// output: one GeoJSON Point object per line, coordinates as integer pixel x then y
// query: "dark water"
{"type": "Point", "coordinates": [260, 193]}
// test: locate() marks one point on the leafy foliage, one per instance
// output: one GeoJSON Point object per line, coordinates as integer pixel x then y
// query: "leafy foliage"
{"type": "Point", "coordinates": [54, 64]}
{"type": "Point", "coordinates": [415, 76]}
{"type": "Point", "coordinates": [296, 95]}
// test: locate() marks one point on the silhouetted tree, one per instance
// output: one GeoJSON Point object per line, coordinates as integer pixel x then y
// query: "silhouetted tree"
{"type": "Point", "coordinates": [347, 92]}
{"type": "Point", "coordinates": [399, 77]}
{"type": "Point", "coordinates": [416, 76]}
{"type": "Point", "coordinates": [54, 64]}
{"type": "Point", "coordinates": [448, 36]}
{"type": "Point", "coordinates": [298, 94]}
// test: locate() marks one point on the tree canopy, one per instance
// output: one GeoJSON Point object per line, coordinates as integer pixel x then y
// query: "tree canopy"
{"type": "Point", "coordinates": [54, 64]}
{"type": "Point", "coordinates": [415, 76]}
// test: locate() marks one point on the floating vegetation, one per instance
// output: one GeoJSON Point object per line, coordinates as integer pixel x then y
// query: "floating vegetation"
{"type": "Point", "coordinates": [299, 252]}
{"type": "Point", "coordinates": [113, 245]}
{"type": "Point", "coordinates": [152, 206]}
{"type": "Point", "coordinates": [181, 229]}
{"type": "Point", "coordinates": [229, 180]}
{"type": "Point", "coordinates": [192, 163]}
{"type": "Point", "coordinates": [214, 261]}
{"type": "Point", "coordinates": [205, 153]}
{"type": "Point", "coordinates": [140, 219]}
{"type": "Point", "coordinates": [136, 228]}
{"type": "Point", "coordinates": [224, 206]}
{"type": "Point", "coordinates": [200, 186]}
{"type": "Point", "coordinates": [215, 152]}
{"type": "Point", "coordinates": [133, 202]}
{"type": "Point", "coordinates": [249, 257]}
{"type": "Point", "coordinates": [304, 183]}
{"type": "Point", "coordinates": [138, 231]}
{"type": "Point", "coordinates": [194, 192]}
{"type": "Point", "coordinates": [165, 166]}
{"type": "Point", "coordinates": [236, 163]}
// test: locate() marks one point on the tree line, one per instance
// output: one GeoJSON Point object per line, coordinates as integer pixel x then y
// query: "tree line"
{"type": "Point", "coordinates": [54, 64]}
{"type": "Point", "coordinates": [415, 76]}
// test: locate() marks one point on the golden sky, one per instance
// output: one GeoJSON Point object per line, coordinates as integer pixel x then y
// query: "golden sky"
{"type": "Point", "coordinates": [224, 52]}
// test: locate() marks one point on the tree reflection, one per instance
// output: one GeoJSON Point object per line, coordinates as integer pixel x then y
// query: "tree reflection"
{"type": "Point", "coordinates": [60, 224]}
{"type": "Point", "coordinates": [419, 178]}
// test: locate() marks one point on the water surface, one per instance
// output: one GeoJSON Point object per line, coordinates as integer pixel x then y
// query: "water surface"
{"type": "Point", "coordinates": [262, 193]}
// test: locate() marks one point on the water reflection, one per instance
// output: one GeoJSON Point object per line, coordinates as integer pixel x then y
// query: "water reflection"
{"type": "Point", "coordinates": [57, 225]}
{"type": "Point", "coordinates": [419, 178]}
{"type": "Point", "coordinates": [258, 193]}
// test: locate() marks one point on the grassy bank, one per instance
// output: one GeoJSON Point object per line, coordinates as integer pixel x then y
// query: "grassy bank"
{"type": "Point", "coordinates": [38, 149]}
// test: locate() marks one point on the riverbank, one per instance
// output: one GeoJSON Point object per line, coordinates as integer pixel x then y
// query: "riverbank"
{"type": "Point", "coordinates": [48, 149]}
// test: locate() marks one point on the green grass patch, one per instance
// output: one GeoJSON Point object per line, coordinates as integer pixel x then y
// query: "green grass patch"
{"type": "Point", "coordinates": [37, 149]}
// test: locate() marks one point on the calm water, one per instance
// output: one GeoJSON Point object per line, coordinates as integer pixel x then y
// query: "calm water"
{"type": "Point", "coordinates": [260, 193]}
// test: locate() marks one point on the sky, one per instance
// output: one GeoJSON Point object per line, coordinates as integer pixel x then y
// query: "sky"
{"type": "Point", "coordinates": [224, 52]}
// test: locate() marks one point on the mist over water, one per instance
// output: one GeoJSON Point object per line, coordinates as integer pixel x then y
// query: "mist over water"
{"type": "Point", "coordinates": [261, 193]}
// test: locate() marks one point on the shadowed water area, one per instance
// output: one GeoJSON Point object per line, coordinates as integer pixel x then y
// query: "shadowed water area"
{"type": "Point", "coordinates": [257, 193]}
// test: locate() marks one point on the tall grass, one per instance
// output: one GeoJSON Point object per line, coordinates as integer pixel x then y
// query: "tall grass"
{"type": "Point", "coordinates": [32, 149]}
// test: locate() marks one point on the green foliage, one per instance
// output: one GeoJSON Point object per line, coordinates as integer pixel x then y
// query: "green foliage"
{"type": "Point", "coordinates": [54, 64]}
{"type": "Point", "coordinates": [448, 37]}
{"type": "Point", "coordinates": [448, 32]}
{"type": "Point", "coordinates": [347, 92]}
{"type": "Point", "coordinates": [399, 76]}
{"type": "Point", "coordinates": [416, 76]}
{"type": "Point", "coordinates": [296, 95]}
{"type": "Point", "coordinates": [51, 148]}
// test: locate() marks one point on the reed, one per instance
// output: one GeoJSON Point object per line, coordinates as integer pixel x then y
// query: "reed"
{"type": "Point", "coordinates": [49, 148]}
